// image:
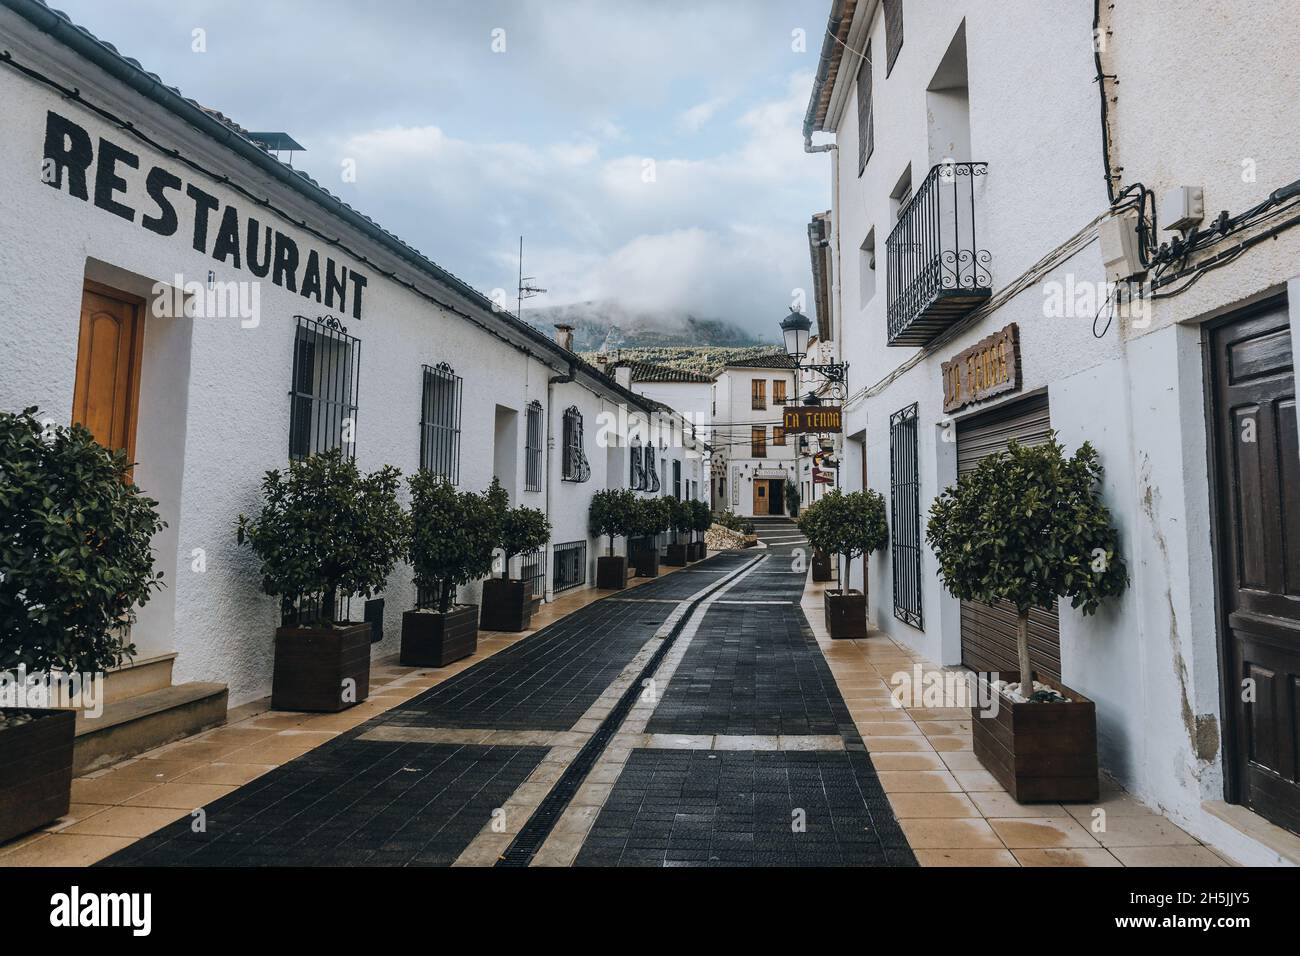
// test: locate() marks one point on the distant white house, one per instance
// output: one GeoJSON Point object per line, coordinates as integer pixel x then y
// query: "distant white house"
{"type": "Point", "coordinates": [752, 458]}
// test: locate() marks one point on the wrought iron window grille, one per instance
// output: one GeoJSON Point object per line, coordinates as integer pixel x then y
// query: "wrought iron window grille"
{"type": "Point", "coordinates": [905, 505]}
{"type": "Point", "coordinates": [533, 447]}
{"type": "Point", "coordinates": [323, 390]}
{"type": "Point", "coordinates": [576, 467]}
{"type": "Point", "coordinates": [569, 566]}
{"type": "Point", "coordinates": [440, 411]}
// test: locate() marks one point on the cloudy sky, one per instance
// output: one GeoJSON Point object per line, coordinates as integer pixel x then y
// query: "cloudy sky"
{"type": "Point", "coordinates": [649, 152]}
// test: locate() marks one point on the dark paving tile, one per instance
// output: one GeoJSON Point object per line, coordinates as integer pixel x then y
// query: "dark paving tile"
{"type": "Point", "coordinates": [738, 808]}
{"type": "Point", "coordinates": [350, 802]}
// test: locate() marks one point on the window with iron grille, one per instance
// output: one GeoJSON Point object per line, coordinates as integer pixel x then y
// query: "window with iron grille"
{"type": "Point", "coordinates": [533, 570]}
{"type": "Point", "coordinates": [758, 394]}
{"type": "Point", "coordinates": [778, 435]}
{"type": "Point", "coordinates": [533, 447]}
{"type": "Point", "coordinates": [440, 422]}
{"type": "Point", "coordinates": [576, 467]}
{"type": "Point", "coordinates": [652, 482]}
{"type": "Point", "coordinates": [323, 396]}
{"type": "Point", "coordinates": [866, 124]}
{"type": "Point", "coordinates": [893, 32]}
{"type": "Point", "coordinates": [905, 497]}
{"type": "Point", "coordinates": [758, 441]}
{"type": "Point", "coordinates": [569, 566]}
{"type": "Point", "coordinates": [677, 479]}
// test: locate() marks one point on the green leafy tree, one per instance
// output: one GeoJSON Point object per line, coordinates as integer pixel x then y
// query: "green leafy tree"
{"type": "Point", "coordinates": [325, 529]}
{"type": "Point", "coordinates": [846, 524]}
{"type": "Point", "coordinates": [520, 529]}
{"type": "Point", "coordinates": [701, 517]}
{"type": "Point", "coordinates": [681, 517]}
{"type": "Point", "coordinates": [452, 536]}
{"type": "Point", "coordinates": [1027, 526]}
{"type": "Point", "coordinates": [650, 516]}
{"type": "Point", "coordinates": [75, 558]}
{"type": "Point", "coordinates": [611, 514]}
{"type": "Point", "coordinates": [792, 498]}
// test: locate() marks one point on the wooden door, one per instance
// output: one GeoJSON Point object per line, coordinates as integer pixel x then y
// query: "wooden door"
{"type": "Point", "coordinates": [760, 497]}
{"type": "Point", "coordinates": [107, 390]}
{"type": "Point", "coordinates": [1257, 550]}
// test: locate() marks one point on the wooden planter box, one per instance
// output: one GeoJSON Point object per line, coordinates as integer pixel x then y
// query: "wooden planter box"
{"type": "Point", "coordinates": [697, 551]}
{"type": "Point", "coordinates": [821, 566]}
{"type": "Point", "coordinates": [507, 605]}
{"type": "Point", "coordinates": [434, 639]}
{"type": "Point", "coordinates": [1040, 752]}
{"type": "Point", "coordinates": [321, 669]}
{"type": "Point", "coordinates": [846, 613]}
{"type": "Point", "coordinates": [611, 572]}
{"type": "Point", "coordinates": [647, 563]}
{"type": "Point", "coordinates": [676, 556]}
{"type": "Point", "coordinates": [35, 770]}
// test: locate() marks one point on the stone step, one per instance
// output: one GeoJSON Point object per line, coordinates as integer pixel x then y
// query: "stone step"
{"type": "Point", "coordinates": [138, 677]}
{"type": "Point", "coordinates": [144, 721]}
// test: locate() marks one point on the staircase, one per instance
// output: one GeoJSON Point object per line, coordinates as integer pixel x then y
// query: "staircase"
{"type": "Point", "coordinates": [144, 710]}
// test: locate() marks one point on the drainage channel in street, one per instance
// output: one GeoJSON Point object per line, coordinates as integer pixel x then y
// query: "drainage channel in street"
{"type": "Point", "coordinates": [533, 834]}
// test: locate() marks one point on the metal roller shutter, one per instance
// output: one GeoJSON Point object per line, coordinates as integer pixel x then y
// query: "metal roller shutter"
{"type": "Point", "coordinates": [988, 634]}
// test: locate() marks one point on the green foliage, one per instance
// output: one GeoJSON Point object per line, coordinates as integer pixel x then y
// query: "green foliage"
{"type": "Point", "coordinates": [325, 529]}
{"type": "Point", "coordinates": [734, 522]}
{"type": "Point", "coordinates": [75, 559]}
{"type": "Point", "coordinates": [792, 498]}
{"type": "Point", "coordinates": [651, 516]}
{"type": "Point", "coordinates": [681, 516]}
{"type": "Point", "coordinates": [701, 516]}
{"type": "Point", "coordinates": [849, 524]}
{"type": "Point", "coordinates": [452, 536]}
{"type": "Point", "coordinates": [611, 514]}
{"type": "Point", "coordinates": [519, 529]}
{"type": "Point", "coordinates": [1026, 526]}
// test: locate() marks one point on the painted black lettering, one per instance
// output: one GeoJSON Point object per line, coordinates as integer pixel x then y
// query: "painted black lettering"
{"type": "Point", "coordinates": [156, 185]}
{"type": "Point", "coordinates": [204, 203]}
{"type": "Point", "coordinates": [286, 262]}
{"type": "Point", "coordinates": [358, 283]}
{"type": "Point", "coordinates": [336, 283]}
{"type": "Point", "coordinates": [108, 182]}
{"type": "Point", "coordinates": [311, 277]}
{"type": "Point", "coordinates": [258, 267]}
{"type": "Point", "coordinates": [67, 149]}
{"type": "Point", "coordinates": [227, 244]}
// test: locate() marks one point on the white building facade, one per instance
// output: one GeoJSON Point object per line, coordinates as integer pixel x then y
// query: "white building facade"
{"type": "Point", "coordinates": [752, 457]}
{"type": "Point", "coordinates": [218, 314]}
{"type": "Point", "coordinates": [971, 245]}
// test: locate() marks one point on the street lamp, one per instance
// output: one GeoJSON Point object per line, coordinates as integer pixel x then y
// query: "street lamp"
{"type": "Point", "coordinates": [795, 329]}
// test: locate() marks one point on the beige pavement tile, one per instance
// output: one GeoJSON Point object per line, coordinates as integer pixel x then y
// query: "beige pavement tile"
{"type": "Point", "coordinates": [180, 796]}
{"type": "Point", "coordinates": [226, 774]}
{"type": "Point", "coordinates": [134, 822]}
{"type": "Point", "coordinates": [243, 734]}
{"type": "Point", "coordinates": [156, 771]}
{"type": "Point", "coordinates": [76, 813]}
{"type": "Point", "coordinates": [957, 834]}
{"type": "Point", "coordinates": [932, 805]}
{"type": "Point", "coordinates": [1116, 803]}
{"type": "Point", "coordinates": [961, 760]}
{"type": "Point", "coordinates": [1162, 856]}
{"type": "Point", "coordinates": [893, 728]}
{"type": "Point", "coordinates": [999, 803]}
{"type": "Point", "coordinates": [950, 742]}
{"type": "Point", "coordinates": [974, 781]}
{"type": "Point", "coordinates": [939, 728]}
{"type": "Point", "coordinates": [940, 713]}
{"type": "Point", "coordinates": [965, 858]}
{"type": "Point", "coordinates": [560, 849]}
{"type": "Point", "coordinates": [576, 819]}
{"type": "Point", "coordinates": [1063, 856]}
{"type": "Point", "coordinates": [814, 742]}
{"type": "Point", "coordinates": [1033, 832]}
{"type": "Point", "coordinates": [1122, 831]}
{"type": "Point", "coordinates": [917, 781]}
{"type": "Point", "coordinates": [65, 849]}
{"type": "Point", "coordinates": [485, 850]}
{"type": "Point", "coordinates": [898, 744]}
{"type": "Point", "coordinates": [905, 761]}
{"type": "Point", "coordinates": [681, 741]}
{"type": "Point", "coordinates": [746, 742]}
{"type": "Point", "coordinates": [110, 789]}
{"type": "Point", "coordinates": [202, 750]}
{"type": "Point", "coordinates": [592, 795]}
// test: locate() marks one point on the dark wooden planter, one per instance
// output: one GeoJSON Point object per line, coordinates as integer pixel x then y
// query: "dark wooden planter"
{"type": "Point", "coordinates": [846, 613]}
{"type": "Point", "coordinates": [697, 551]}
{"type": "Point", "coordinates": [321, 669]}
{"type": "Point", "coordinates": [1040, 752]}
{"type": "Point", "coordinates": [821, 566]}
{"type": "Point", "coordinates": [434, 639]}
{"type": "Point", "coordinates": [647, 563]}
{"type": "Point", "coordinates": [35, 770]}
{"type": "Point", "coordinates": [611, 572]}
{"type": "Point", "coordinates": [507, 605]}
{"type": "Point", "coordinates": [675, 556]}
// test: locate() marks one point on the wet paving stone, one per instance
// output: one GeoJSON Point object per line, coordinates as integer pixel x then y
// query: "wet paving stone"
{"type": "Point", "coordinates": [349, 803]}
{"type": "Point", "coordinates": [746, 808]}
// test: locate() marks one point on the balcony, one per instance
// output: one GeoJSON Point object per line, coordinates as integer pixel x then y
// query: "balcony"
{"type": "Point", "coordinates": [937, 271]}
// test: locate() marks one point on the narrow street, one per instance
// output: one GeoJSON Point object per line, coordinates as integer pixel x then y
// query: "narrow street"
{"type": "Point", "coordinates": [690, 721]}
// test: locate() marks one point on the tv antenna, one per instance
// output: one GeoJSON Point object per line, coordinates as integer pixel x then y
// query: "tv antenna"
{"type": "Point", "coordinates": [526, 290]}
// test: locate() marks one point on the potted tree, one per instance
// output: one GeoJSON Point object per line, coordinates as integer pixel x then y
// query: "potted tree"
{"type": "Point", "coordinates": [680, 520]}
{"type": "Point", "coordinates": [1026, 527]}
{"type": "Point", "coordinates": [508, 603]}
{"type": "Point", "coordinates": [701, 521]}
{"type": "Point", "coordinates": [452, 534]}
{"type": "Point", "coordinates": [792, 498]}
{"type": "Point", "coordinates": [610, 516]}
{"type": "Point", "coordinates": [846, 525]}
{"type": "Point", "coordinates": [324, 531]}
{"type": "Point", "coordinates": [75, 539]}
{"type": "Point", "coordinates": [649, 520]}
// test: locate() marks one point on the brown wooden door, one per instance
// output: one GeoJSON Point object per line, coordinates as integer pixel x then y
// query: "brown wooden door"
{"type": "Point", "coordinates": [1257, 473]}
{"type": "Point", "coordinates": [760, 497]}
{"type": "Point", "coordinates": [107, 390]}
{"type": "Point", "coordinates": [988, 632]}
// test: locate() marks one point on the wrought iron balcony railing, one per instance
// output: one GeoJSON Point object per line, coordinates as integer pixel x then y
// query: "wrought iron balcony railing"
{"type": "Point", "coordinates": [937, 272]}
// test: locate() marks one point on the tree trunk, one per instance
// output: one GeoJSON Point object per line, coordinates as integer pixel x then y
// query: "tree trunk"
{"type": "Point", "coordinates": [611, 545]}
{"type": "Point", "coordinates": [505, 567]}
{"type": "Point", "coordinates": [444, 599]}
{"type": "Point", "coordinates": [328, 600]}
{"type": "Point", "coordinates": [1022, 649]}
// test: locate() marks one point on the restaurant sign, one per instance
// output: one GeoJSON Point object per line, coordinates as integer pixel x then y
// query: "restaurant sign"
{"type": "Point", "coordinates": [989, 367]}
{"type": "Point", "coordinates": [796, 419]}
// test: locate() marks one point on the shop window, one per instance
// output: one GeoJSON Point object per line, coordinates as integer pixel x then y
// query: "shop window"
{"type": "Point", "coordinates": [323, 397]}
{"type": "Point", "coordinates": [905, 497]}
{"type": "Point", "coordinates": [440, 407]}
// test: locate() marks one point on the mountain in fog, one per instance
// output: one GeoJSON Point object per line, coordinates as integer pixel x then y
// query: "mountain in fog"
{"type": "Point", "coordinates": [610, 325]}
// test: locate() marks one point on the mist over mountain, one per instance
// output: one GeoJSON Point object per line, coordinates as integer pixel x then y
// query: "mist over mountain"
{"type": "Point", "coordinates": [611, 325]}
